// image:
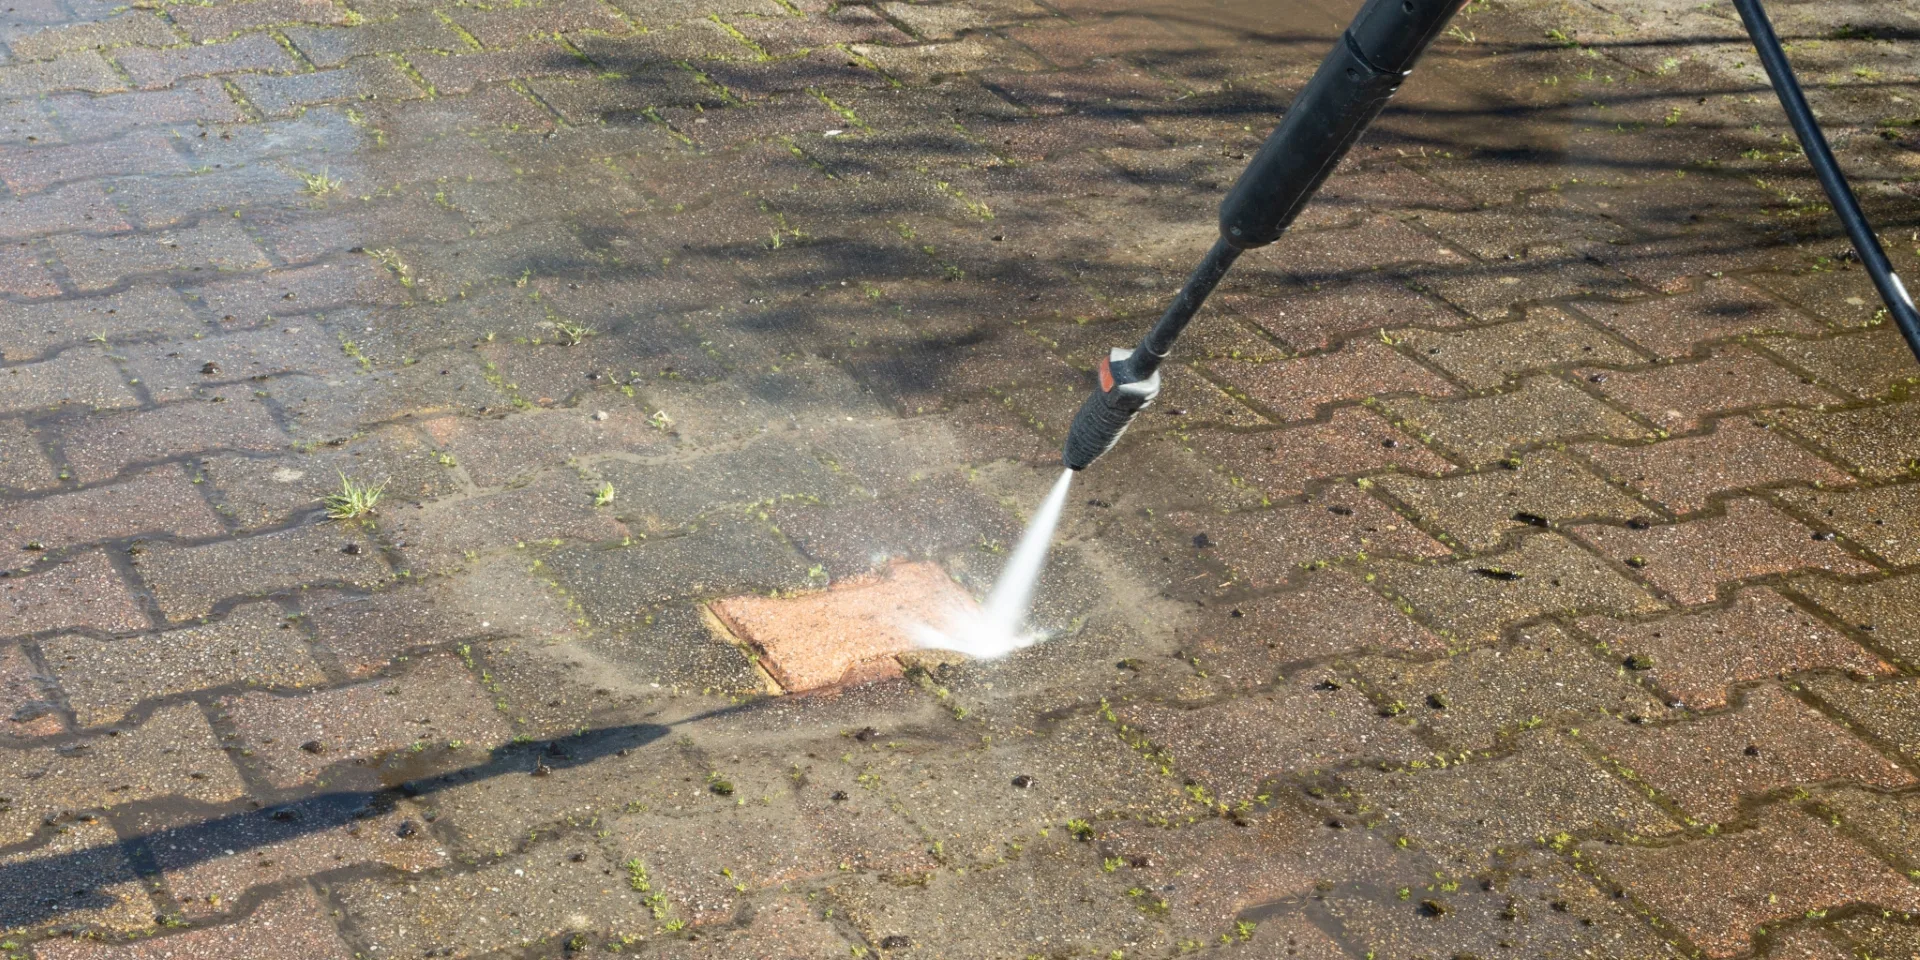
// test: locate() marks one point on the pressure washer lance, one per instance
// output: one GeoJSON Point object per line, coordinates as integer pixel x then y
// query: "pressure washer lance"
{"type": "Point", "coordinates": [1354, 83]}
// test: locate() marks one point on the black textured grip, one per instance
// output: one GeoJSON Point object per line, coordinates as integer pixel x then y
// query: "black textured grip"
{"type": "Point", "coordinates": [1105, 415]}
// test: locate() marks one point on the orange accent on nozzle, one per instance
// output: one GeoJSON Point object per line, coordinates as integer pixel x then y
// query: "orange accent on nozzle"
{"type": "Point", "coordinates": [1106, 375]}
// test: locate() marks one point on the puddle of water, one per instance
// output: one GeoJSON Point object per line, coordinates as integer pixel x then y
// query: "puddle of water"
{"type": "Point", "coordinates": [999, 626]}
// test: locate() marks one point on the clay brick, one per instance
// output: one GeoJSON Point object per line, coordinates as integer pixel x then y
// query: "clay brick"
{"type": "Point", "coordinates": [1716, 310]}
{"type": "Point", "coordinates": [1718, 890]}
{"type": "Point", "coordinates": [1680, 396]}
{"type": "Point", "coordinates": [173, 753]}
{"type": "Point", "coordinates": [292, 924]}
{"type": "Point", "coordinates": [1889, 822]}
{"type": "Point", "coordinates": [1266, 548]}
{"type": "Point", "coordinates": [965, 802]}
{"type": "Point", "coordinates": [441, 537]}
{"type": "Point", "coordinates": [258, 493]}
{"type": "Point", "coordinates": [1051, 896]}
{"type": "Point", "coordinates": [281, 293]}
{"type": "Point", "coordinates": [1480, 510]}
{"type": "Point", "coordinates": [1543, 787]}
{"type": "Point", "coordinates": [195, 101]}
{"type": "Point", "coordinates": [1484, 357]}
{"type": "Point", "coordinates": [1296, 389]}
{"type": "Point", "coordinates": [1490, 291]}
{"type": "Point", "coordinates": [418, 30]}
{"type": "Point", "coordinates": [1229, 747]}
{"type": "Point", "coordinates": [849, 633]}
{"type": "Point", "coordinates": [100, 448]}
{"type": "Point", "coordinates": [786, 36]}
{"type": "Point", "coordinates": [1843, 297]}
{"type": "Point", "coordinates": [496, 452]}
{"type": "Point", "coordinates": [24, 122]}
{"type": "Point", "coordinates": [79, 592]}
{"type": "Point", "coordinates": [70, 71]}
{"type": "Point", "coordinates": [931, 519]}
{"type": "Point", "coordinates": [505, 27]}
{"type": "Point", "coordinates": [222, 20]}
{"type": "Point", "coordinates": [1768, 743]}
{"type": "Point", "coordinates": [23, 274]}
{"type": "Point", "coordinates": [209, 866]}
{"type": "Point", "coordinates": [144, 310]}
{"type": "Point", "coordinates": [619, 102]}
{"type": "Point", "coordinates": [1314, 318]}
{"type": "Point", "coordinates": [1693, 561]}
{"type": "Point", "coordinates": [1879, 443]}
{"type": "Point", "coordinates": [95, 263]}
{"type": "Point", "coordinates": [788, 925]}
{"type": "Point", "coordinates": [1539, 906]}
{"type": "Point", "coordinates": [499, 599]}
{"type": "Point", "coordinates": [761, 845]}
{"type": "Point", "coordinates": [158, 69]}
{"type": "Point", "coordinates": [1696, 657]}
{"type": "Point", "coordinates": [1209, 873]}
{"type": "Point", "coordinates": [546, 896]}
{"type": "Point", "coordinates": [1486, 428]}
{"type": "Point", "coordinates": [80, 207]}
{"type": "Point", "coordinates": [1354, 440]}
{"type": "Point", "coordinates": [89, 865]}
{"type": "Point", "coordinates": [371, 78]}
{"type": "Point", "coordinates": [174, 370]}
{"type": "Point", "coordinates": [1250, 642]}
{"type": "Point", "coordinates": [161, 500]}
{"type": "Point", "coordinates": [1473, 599]}
{"type": "Point", "coordinates": [1536, 227]}
{"type": "Point", "coordinates": [436, 702]}
{"type": "Point", "coordinates": [35, 169]}
{"type": "Point", "coordinates": [466, 70]}
{"type": "Point", "coordinates": [1682, 474]}
{"type": "Point", "coordinates": [133, 28]}
{"type": "Point", "coordinates": [75, 378]}
{"type": "Point", "coordinates": [1477, 699]}
{"type": "Point", "coordinates": [1865, 365]}
{"type": "Point", "coordinates": [1885, 520]}
{"type": "Point", "coordinates": [187, 581]}
{"type": "Point", "coordinates": [1888, 710]}
{"type": "Point", "coordinates": [725, 557]}
{"type": "Point", "coordinates": [252, 646]}
{"type": "Point", "coordinates": [1292, 937]}
{"type": "Point", "coordinates": [1880, 935]}
{"type": "Point", "coordinates": [28, 705]}
{"type": "Point", "coordinates": [1332, 256]}
{"type": "Point", "coordinates": [23, 465]}
{"type": "Point", "coordinates": [1886, 611]}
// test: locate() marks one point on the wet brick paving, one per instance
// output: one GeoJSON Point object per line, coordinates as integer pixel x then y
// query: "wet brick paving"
{"type": "Point", "coordinates": [1519, 564]}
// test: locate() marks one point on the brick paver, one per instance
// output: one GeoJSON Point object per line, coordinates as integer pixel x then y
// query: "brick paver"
{"type": "Point", "coordinates": [1518, 561]}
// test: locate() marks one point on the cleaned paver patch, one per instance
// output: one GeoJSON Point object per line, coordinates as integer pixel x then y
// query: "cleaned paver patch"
{"type": "Point", "coordinates": [850, 632]}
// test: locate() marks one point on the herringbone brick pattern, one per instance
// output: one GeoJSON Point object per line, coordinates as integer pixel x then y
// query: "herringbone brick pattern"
{"type": "Point", "coordinates": [1521, 561]}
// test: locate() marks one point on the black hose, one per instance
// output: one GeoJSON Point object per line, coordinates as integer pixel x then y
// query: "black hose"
{"type": "Point", "coordinates": [1892, 292]}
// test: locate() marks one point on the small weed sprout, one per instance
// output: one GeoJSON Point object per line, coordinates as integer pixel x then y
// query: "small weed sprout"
{"type": "Point", "coordinates": [353, 500]}
{"type": "Point", "coordinates": [572, 334]}
{"type": "Point", "coordinates": [603, 494]}
{"type": "Point", "coordinates": [319, 184]}
{"type": "Point", "coordinates": [660, 420]}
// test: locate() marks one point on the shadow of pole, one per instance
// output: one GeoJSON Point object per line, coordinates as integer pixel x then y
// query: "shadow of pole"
{"type": "Point", "coordinates": [39, 889]}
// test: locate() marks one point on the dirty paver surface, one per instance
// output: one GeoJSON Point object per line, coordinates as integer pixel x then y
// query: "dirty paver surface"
{"type": "Point", "coordinates": [1521, 561]}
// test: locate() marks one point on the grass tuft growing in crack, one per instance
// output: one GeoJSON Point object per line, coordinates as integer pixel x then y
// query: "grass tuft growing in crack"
{"type": "Point", "coordinates": [353, 500]}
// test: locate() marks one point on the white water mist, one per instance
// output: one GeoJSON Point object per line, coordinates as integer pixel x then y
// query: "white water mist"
{"type": "Point", "coordinates": [999, 627]}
